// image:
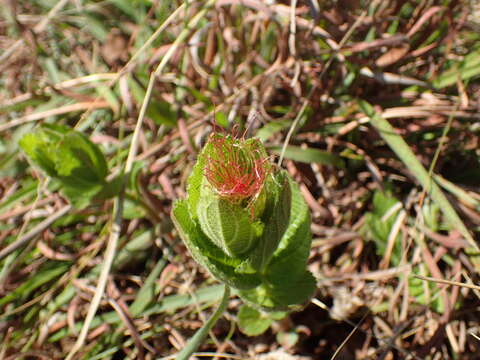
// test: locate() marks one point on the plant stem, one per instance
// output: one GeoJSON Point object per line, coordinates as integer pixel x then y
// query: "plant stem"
{"type": "Point", "coordinates": [202, 333]}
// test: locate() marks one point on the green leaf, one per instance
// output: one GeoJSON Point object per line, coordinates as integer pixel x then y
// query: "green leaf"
{"type": "Point", "coordinates": [78, 156]}
{"type": "Point", "coordinates": [252, 322]}
{"type": "Point", "coordinates": [287, 296]}
{"type": "Point", "coordinates": [227, 224]}
{"type": "Point", "coordinates": [294, 247]}
{"type": "Point", "coordinates": [275, 217]}
{"type": "Point", "coordinates": [309, 155]}
{"type": "Point", "coordinates": [286, 283]}
{"type": "Point", "coordinates": [220, 265]}
{"type": "Point", "coordinates": [195, 182]}
{"type": "Point", "coordinates": [40, 151]}
{"type": "Point", "coordinates": [71, 158]}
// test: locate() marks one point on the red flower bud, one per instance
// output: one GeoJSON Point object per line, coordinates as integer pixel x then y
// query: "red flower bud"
{"type": "Point", "coordinates": [236, 169]}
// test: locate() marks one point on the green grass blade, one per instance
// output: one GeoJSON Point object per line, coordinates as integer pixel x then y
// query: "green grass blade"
{"type": "Point", "coordinates": [465, 70]}
{"type": "Point", "coordinates": [147, 293]}
{"type": "Point", "coordinates": [309, 155]}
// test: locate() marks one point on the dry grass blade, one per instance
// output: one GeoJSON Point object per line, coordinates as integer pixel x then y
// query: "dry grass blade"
{"type": "Point", "coordinates": [447, 282]}
{"type": "Point", "coordinates": [58, 111]}
{"type": "Point", "coordinates": [102, 279]}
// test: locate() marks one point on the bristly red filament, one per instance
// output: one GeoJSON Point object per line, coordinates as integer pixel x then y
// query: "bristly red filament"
{"type": "Point", "coordinates": [236, 170]}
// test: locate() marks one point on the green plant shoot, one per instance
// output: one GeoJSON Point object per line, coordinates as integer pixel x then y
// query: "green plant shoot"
{"type": "Point", "coordinates": [246, 221]}
{"type": "Point", "coordinates": [70, 158]}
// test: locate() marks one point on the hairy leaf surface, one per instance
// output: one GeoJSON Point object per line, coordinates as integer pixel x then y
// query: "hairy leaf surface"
{"type": "Point", "coordinates": [208, 254]}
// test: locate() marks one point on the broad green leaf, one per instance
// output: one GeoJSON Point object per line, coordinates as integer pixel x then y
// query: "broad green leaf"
{"type": "Point", "coordinates": [207, 253]}
{"type": "Point", "coordinates": [294, 248]}
{"type": "Point", "coordinates": [40, 151]}
{"type": "Point", "coordinates": [310, 155]}
{"type": "Point", "coordinates": [286, 283]}
{"type": "Point", "coordinates": [195, 182]}
{"type": "Point", "coordinates": [227, 224]}
{"type": "Point", "coordinates": [72, 159]}
{"type": "Point", "coordinates": [275, 217]}
{"type": "Point", "coordinates": [283, 297]}
{"type": "Point", "coordinates": [89, 161]}
{"type": "Point", "coordinates": [252, 322]}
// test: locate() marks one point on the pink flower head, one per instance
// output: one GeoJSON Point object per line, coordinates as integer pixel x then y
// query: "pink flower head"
{"type": "Point", "coordinates": [237, 169]}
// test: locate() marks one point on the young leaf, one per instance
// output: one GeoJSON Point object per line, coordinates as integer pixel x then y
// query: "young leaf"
{"type": "Point", "coordinates": [227, 224]}
{"type": "Point", "coordinates": [284, 297]}
{"type": "Point", "coordinates": [275, 217]}
{"type": "Point", "coordinates": [70, 158]}
{"type": "Point", "coordinates": [40, 150]}
{"type": "Point", "coordinates": [208, 254]}
{"type": "Point", "coordinates": [195, 182]}
{"type": "Point", "coordinates": [294, 247]}
{"type": "Point", "coordinates": [252, 322]}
